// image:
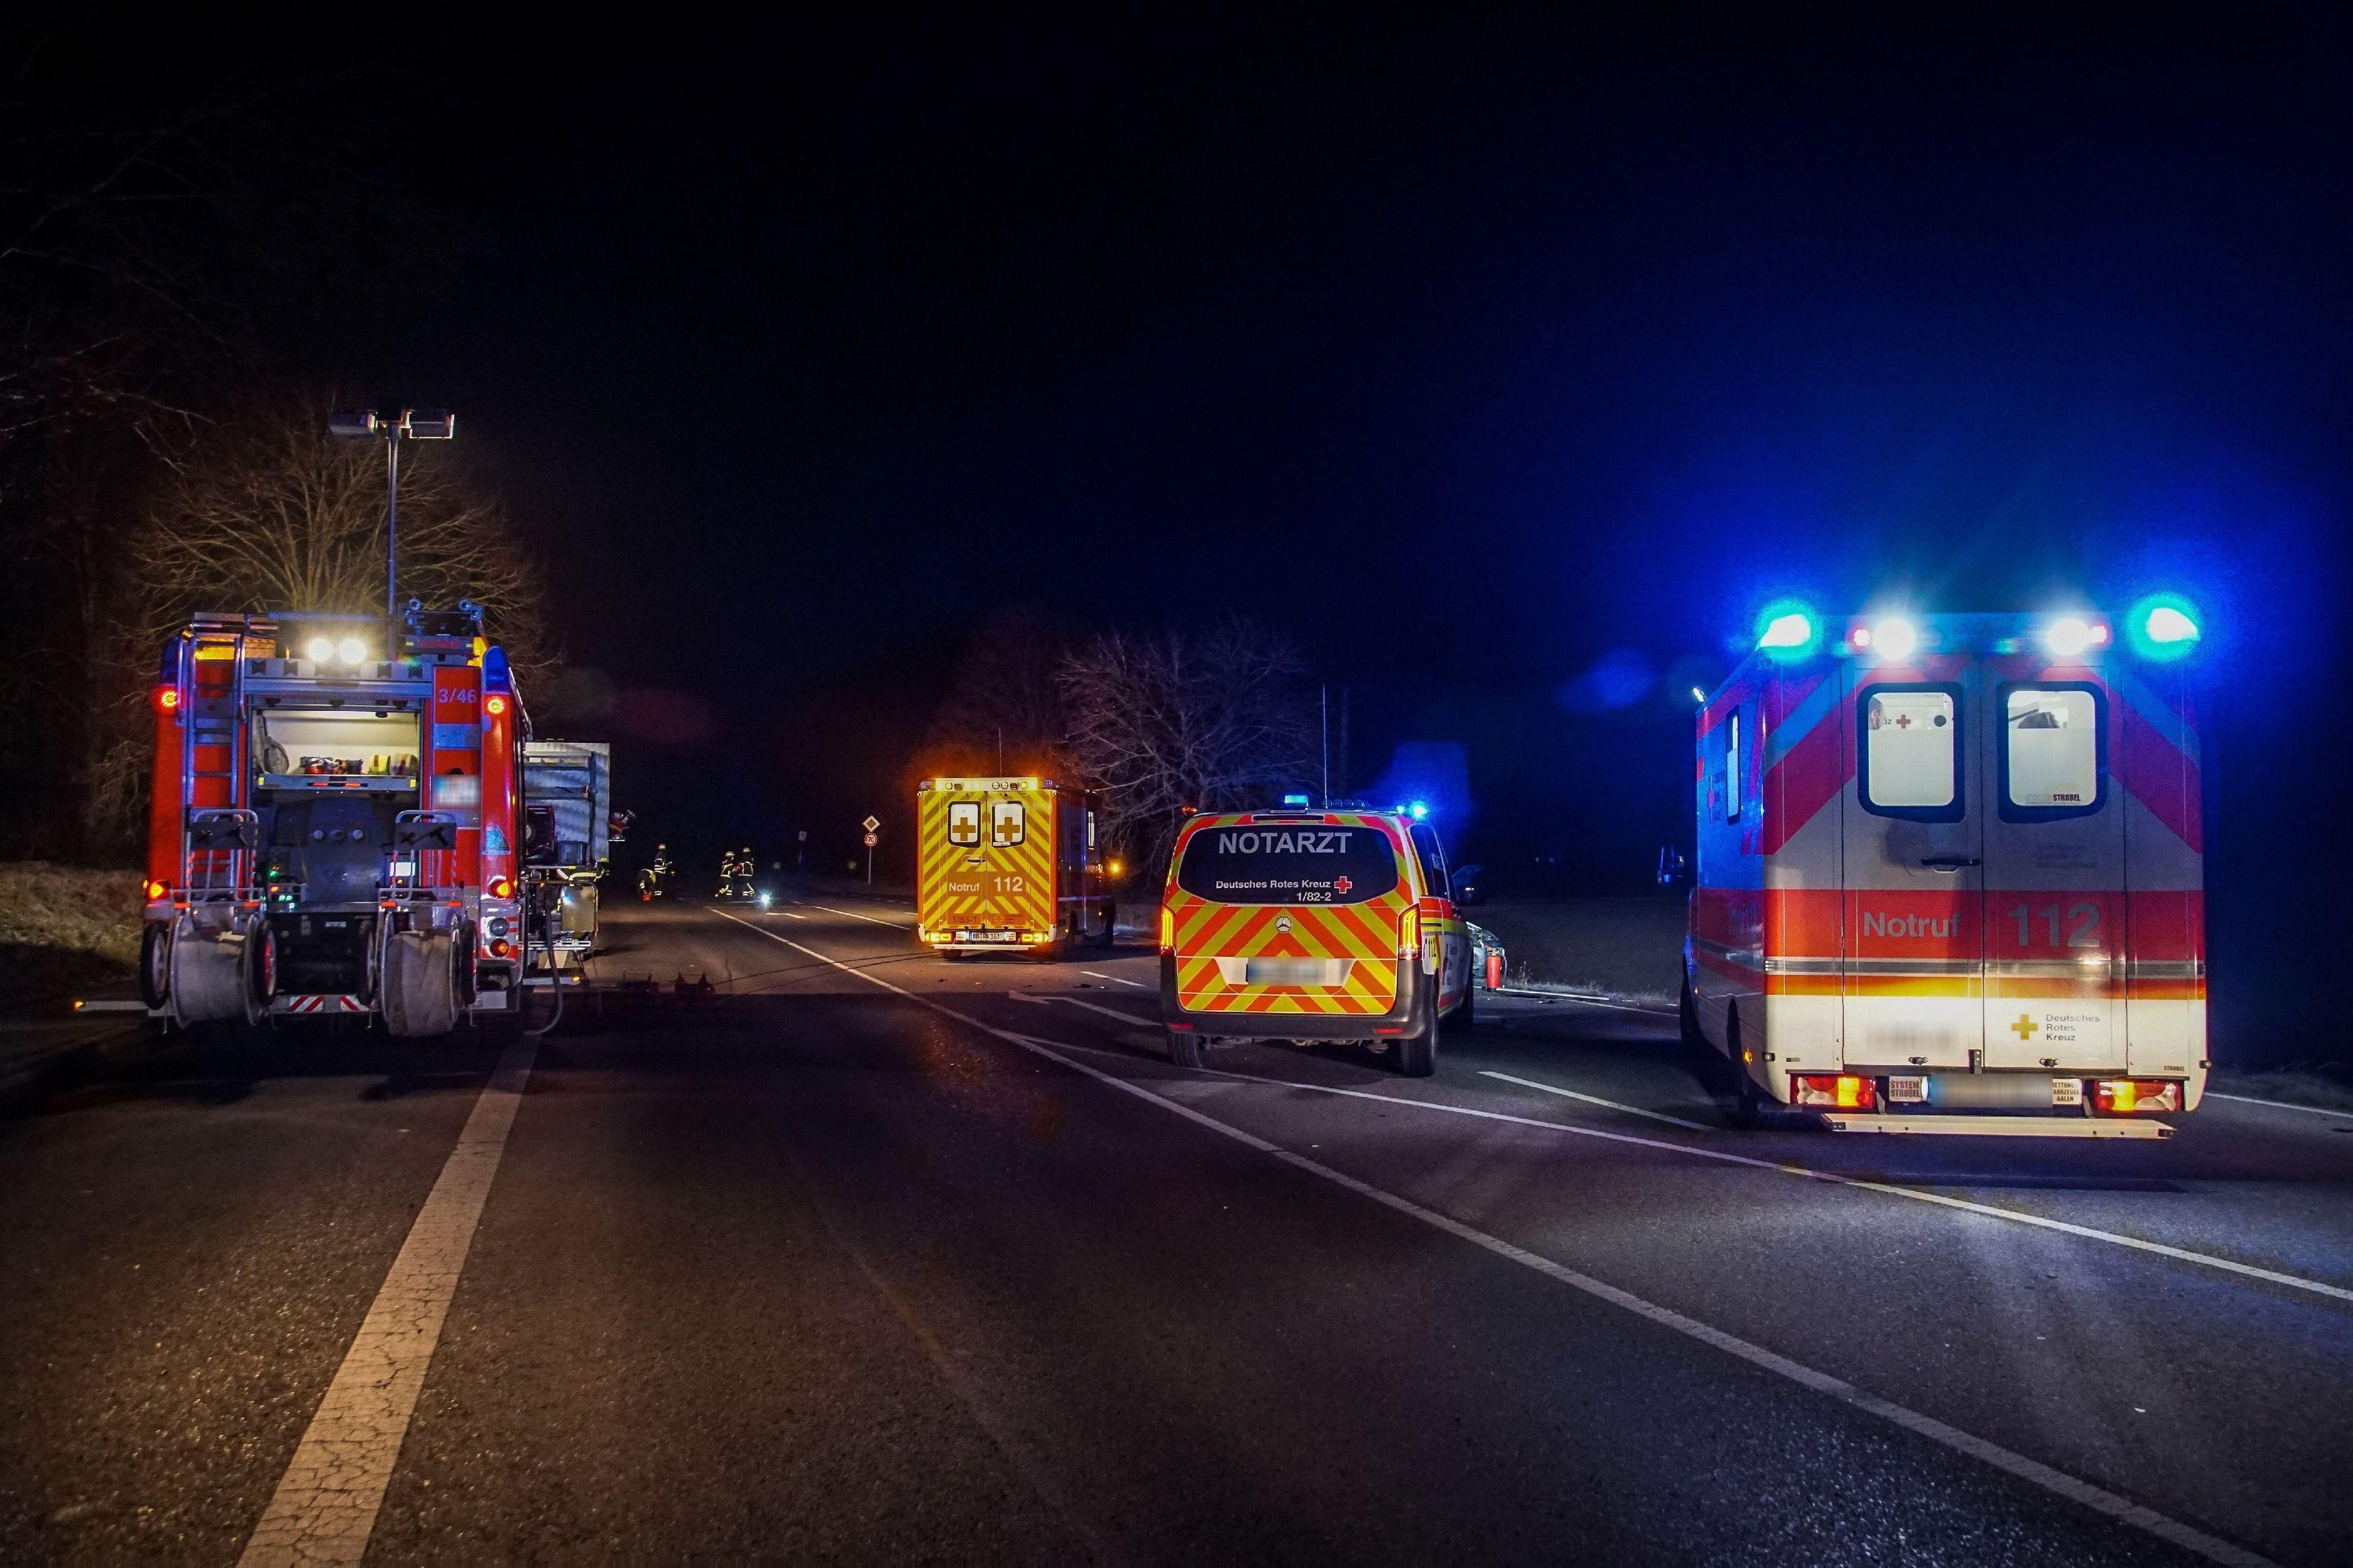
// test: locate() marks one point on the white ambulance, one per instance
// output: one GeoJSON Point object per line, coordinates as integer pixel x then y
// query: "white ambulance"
{"type": "Point", "coordinates": [1949, 874]}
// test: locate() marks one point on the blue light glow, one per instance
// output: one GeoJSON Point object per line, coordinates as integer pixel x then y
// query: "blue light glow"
{"type": "Point", "coordinates": [1788, 630]}
{"type": "Point", "coordinates": [1418, 810]}
{"type": "Point", "coordinates": [2164, 627]}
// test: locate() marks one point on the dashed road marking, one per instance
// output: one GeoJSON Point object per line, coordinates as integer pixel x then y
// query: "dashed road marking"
{"type": "Point", "coordinates": [1115, 980]}
{"type": "Point", "coordinates": [2281, 1105]}
{"type": "Point", "coordinates": [2058, 1482]}
{"type": "Point", "coordinates": [326, 1504]}
{"type": "Point", "coordinates": [1597, 1099]}
{"type": "Point", "coordinates": [854, 914]}
{"type": "Point", "coordinates": [1128, 1018]}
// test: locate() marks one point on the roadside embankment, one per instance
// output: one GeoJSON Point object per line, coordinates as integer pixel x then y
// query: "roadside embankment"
{"type": "Point", "coordinates": [64, 931]}
{"type": "Point", "coordinates": [1631, 949]}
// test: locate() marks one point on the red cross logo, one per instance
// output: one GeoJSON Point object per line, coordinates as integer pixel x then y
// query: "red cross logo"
{"type": "Point", "coordinates": [1343, 885]}
{"type": "Point", "coordinates": [1903, 720]}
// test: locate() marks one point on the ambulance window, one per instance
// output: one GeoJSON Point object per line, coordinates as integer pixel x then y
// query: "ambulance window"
{"type": "Point", "coordinates": [1910, 753]}
{"type": "Point", "coordinates": [1007, 823]}
{"type": "Point", "coordinates": [1732, 791]}
{"type": "Point", "coordinates": [963, 822]}
{"type": "Point", "coordinates": [2053, 752]}
{"type": "Point", "coordinates": [1433, 860]}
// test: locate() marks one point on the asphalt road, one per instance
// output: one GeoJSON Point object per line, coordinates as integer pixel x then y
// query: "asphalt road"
{"type": "Point", "coordinates": [880, 1258]}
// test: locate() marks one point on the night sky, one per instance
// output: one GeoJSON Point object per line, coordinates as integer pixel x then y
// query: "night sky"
{"type": "Point", "coordinates": [1511, 366]}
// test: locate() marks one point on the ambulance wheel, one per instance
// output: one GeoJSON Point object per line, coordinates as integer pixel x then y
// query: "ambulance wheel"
{"type": "Point", "coordinates": [1187, 1049]}
{"type": "Point", "coordinates": [1750, 1104]}
{"type": "Point", "coordinates": [1688, 1018]}
{"type": "Point", "coordinates": [1463, 1020]}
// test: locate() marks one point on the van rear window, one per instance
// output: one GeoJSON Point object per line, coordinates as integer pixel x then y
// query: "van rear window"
{"type": "Point", "coordinates": [1288, 863]}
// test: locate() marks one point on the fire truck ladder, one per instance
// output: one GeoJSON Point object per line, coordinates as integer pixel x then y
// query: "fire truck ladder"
{"type": "Point", "coordinates": [218, 843]}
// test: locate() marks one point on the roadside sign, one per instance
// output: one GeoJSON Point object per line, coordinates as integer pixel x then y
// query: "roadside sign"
{"type": "Point", "coordinates": [871, 841]}
{"type": "Point", "coordinates": [872, 824]}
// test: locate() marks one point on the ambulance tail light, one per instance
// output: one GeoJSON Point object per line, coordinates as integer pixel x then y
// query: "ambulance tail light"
{"type": "Point", "coordinates": [1834, 1091]}
{"type": "Point", "coordinates": [2125, 1095]}
{"type": "Point", "coordinates": [1167, 929]}
{"type": "Point", "coordinates": [1410, 933]}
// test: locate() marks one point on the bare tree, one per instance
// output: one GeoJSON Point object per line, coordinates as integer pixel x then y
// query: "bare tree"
{"type": "Point", "coordinates": [1004, 706]}
{"type": "Point", "coordinates": [1216, 719]}
{"type": "Point", "coordinates": [275, 513]}
{"type": "Point", "coordinates": [271, 513]}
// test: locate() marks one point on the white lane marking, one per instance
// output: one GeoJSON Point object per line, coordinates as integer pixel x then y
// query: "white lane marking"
{"type": "Point", "coordinates": [788, 914]}
{"type": "Point", "coordinates": [854, 914]}
{"type": "Point", "coordinates": [2281, 1105]}
{"type": "Point", "coordinates": [1597, 1099]}
{"type": "Point", "coordinates": [2032, 1471]}
{"type": "Point", "coordinates": [2014, 1215]}
{"type": "Point", "coordinates": [326, 1504]}
{"type": "Point", "coordinates": [1128, 1018]}
{"type": "Point", "coordinates": [1115, 980]}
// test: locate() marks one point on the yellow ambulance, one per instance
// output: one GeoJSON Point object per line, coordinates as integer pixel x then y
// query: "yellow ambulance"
{"type": "Point", "coordinates": [1009, 865]}
{"type": "Point", "coordinates": [1313, 925]}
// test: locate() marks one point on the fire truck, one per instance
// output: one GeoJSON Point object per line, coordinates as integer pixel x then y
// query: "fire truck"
{"type": "Point", "coordinates": [1008, 865]}
{"type": "Point", "coordinates": [1949, 874]}
{"type": "Point", "coordinates": [333, 829]}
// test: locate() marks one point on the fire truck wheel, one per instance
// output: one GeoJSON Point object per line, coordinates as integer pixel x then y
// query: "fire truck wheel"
{"type": "Point", "coordinates": [155, 963]}
{"type": "Point", "coordinates": [1186, 1048]}
{"type": "Point", "coordinates": [260, 969]}
{"type": "Point", "coordinates": [1463, 1020]}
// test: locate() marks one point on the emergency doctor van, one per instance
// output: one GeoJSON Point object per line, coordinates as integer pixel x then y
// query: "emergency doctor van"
{"type": "Point", "coordinates": [1009, 865]}
{"type": "Point", "coordinates": [1313, 925]}
{"type": "Point", "coordinates": [1949, 874]}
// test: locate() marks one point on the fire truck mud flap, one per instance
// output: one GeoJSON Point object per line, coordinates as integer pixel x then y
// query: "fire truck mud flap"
{"type": "Point", "coordinates": [2000, 1126]}
{"type": "Point", "coordinates": [420, 984]}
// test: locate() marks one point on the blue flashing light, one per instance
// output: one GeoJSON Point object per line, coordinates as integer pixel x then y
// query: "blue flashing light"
{"type": "Point", "coordinates": [2164, 627]}
{"type": "Point", "coordinates": [1418, 810]}
{"type": "Point", "coordinates": [1294, 800]}
{"type": "Point", "coordinates": [1788, 630]}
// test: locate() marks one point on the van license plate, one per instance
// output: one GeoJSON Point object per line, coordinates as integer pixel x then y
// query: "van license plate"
{"type": "Point", "coordinates": [1908, 1090]}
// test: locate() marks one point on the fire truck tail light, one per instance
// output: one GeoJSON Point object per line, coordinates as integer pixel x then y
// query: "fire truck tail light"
{"type": "Point", "coordinates": [2124, 1096]}
{"type": "Point", "coordinates": [501, 947]}
{"type": "Point", "coordinates": [159, 890]}
{"type": "Point", "coordinates": [501, 888]}
{"type": "Point", "coordinates": [494, 706]}
{"type": "Point", "coordinates": [1839, 1091]}
{"type": "Point", "coordinates": [168, 698]}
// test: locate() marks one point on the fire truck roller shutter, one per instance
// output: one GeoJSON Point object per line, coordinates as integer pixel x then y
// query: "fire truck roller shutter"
{"type": "Point", "coordinates": [420, 984]}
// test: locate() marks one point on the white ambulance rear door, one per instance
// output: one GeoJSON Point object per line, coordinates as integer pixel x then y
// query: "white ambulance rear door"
{"type": "Point", "coordinates": [2055, 867]}
{"type": "Point", "coordinates": [1914, 842]}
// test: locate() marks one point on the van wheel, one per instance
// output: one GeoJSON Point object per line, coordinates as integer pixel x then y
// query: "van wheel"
{"type": "Point", "coordinates": [1186, 1048]}
{"type": "Point", "coordinates": [1418, 1052]}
